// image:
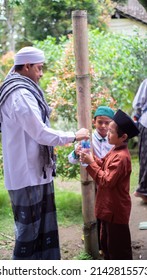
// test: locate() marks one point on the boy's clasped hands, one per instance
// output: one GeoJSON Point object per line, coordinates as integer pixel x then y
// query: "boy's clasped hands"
{"type": "Point", "coordinates": [85, 155]}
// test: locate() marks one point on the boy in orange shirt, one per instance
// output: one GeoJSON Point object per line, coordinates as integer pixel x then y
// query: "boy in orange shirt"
{"type": "Point", "coordinates": [112, 174]}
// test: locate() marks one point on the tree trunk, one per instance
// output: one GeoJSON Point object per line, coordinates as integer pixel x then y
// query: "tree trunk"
{"type": "Point", "coordinates": [9, 26]}
{"type": "Point", "coordinates": [79, 19]}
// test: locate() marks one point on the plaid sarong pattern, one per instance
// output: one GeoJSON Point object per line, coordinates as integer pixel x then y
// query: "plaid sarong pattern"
{"type": "Point", "coordinates": [142, 160]}
{"type": "Point", "coordinates": [36, 230]}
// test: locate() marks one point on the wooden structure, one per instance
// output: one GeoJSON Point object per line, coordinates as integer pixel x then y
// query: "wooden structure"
{"type": "Point", "coordinates": [80, 36]}
{"type": "Point", "coordinates": [129, 18]}
{"type": "Point", "coordinates": [133, 9]}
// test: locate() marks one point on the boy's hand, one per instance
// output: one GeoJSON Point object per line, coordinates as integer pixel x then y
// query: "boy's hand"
{"type": "Point", "coordinates": [78, 149]}
{"type": "Point", "coordinates": [86, 157]}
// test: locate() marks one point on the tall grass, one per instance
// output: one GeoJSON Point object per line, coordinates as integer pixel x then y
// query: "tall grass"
{"type": "Point", "coordinates": [69, 207]}
{"type": "Point", "coordinates": [6, 217]}
{"type": "Point", "coordinates": [134, 174]}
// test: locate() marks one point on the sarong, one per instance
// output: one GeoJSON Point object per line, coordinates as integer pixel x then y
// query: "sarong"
{"type": "Point", "coordinates": [142, 160]}
{"type": "Point", "coordinates": [116, 241]}
{"type": "Point", "coordinates": [36, 230]}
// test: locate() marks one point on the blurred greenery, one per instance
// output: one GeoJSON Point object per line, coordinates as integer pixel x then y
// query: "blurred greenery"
{"type": "Point", "coordinates": [83, 256]}
{"type": "Point", "coordinates": [118, 63]}
{"type": "Point", "coordinates": [64, 168]}
{"type": "Point", "coordinates": [69, 207]}
{"type": "Point", "coordinates": [134, 174]}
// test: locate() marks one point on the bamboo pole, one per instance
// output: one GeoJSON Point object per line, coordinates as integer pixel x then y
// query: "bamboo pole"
{"type": "Point", "coordinates": [80, 36]}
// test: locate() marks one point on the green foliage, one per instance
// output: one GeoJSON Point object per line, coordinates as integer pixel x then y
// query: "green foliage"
{"type": "Point", "coordinates": [22, 21]}
{"type": "Point", "coordinates": [12, 3]}
{"type": "Point", "coordinates": [134, 174]}
{"type": "Point", "coordinates": [11, 24]}
{"type": "Point", "coordinates": [43, 18]}
{"type": "Point", "coordinates": [53, 53]}
{"type": "Point", "coordinates": [83, 256]}
{"type": "Point", "coordinates": [69, 207]}
{"type": "Point", "coordinates": [64, 168]}
{"type": "Point", "coordinates": [6, 62]}
{"type": "Point", "coordinates": [6, 216]}
{"type": "Point", "coordinates": [68, 204]}
{"type": "Point", "coordinates": [120, 1]}
{"type": "Point", "coordinates": [1, 164]}
{"type": "Point", "coordinates": [118, 64]}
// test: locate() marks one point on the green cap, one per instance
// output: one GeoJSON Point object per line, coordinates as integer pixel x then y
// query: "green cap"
{"type": "Point", "coordinates": [104, 111]}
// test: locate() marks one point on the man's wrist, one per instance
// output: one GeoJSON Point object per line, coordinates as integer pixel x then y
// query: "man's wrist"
{"type": "Point", "coordinates": [75, 156]}
{"type": "Point", "coordinates": [75, 139]}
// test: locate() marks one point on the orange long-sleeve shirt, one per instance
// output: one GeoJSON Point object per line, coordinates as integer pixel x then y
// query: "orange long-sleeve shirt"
{"type": "Point", "coordinates": [112, 175]}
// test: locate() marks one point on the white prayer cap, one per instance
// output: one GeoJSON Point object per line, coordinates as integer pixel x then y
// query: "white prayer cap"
{"type": "Point", "coordinates": [30, 55]}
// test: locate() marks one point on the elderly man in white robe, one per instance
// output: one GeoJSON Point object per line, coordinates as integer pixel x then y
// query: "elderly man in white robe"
{"type": "Point", "coordinates": [29, 165]}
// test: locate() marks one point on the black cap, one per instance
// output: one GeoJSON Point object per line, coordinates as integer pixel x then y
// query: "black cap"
{"type": "Point", "coordinates": [126, 124]}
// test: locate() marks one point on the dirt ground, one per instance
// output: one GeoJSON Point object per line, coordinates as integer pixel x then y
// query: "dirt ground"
{"type": "Point", "coordinates": [71, 243]}
{"type": "Point", "coordinates": [139, 237]}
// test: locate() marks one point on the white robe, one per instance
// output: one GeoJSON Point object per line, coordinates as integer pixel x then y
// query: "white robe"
{"type": "Point", "coordinates": [22, 132]}
{"type": "Point", "coordinates": [140, 102]}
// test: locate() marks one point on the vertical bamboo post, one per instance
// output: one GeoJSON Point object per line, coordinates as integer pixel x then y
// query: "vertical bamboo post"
{"type": "Point", "coordinates": [80, 36]}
